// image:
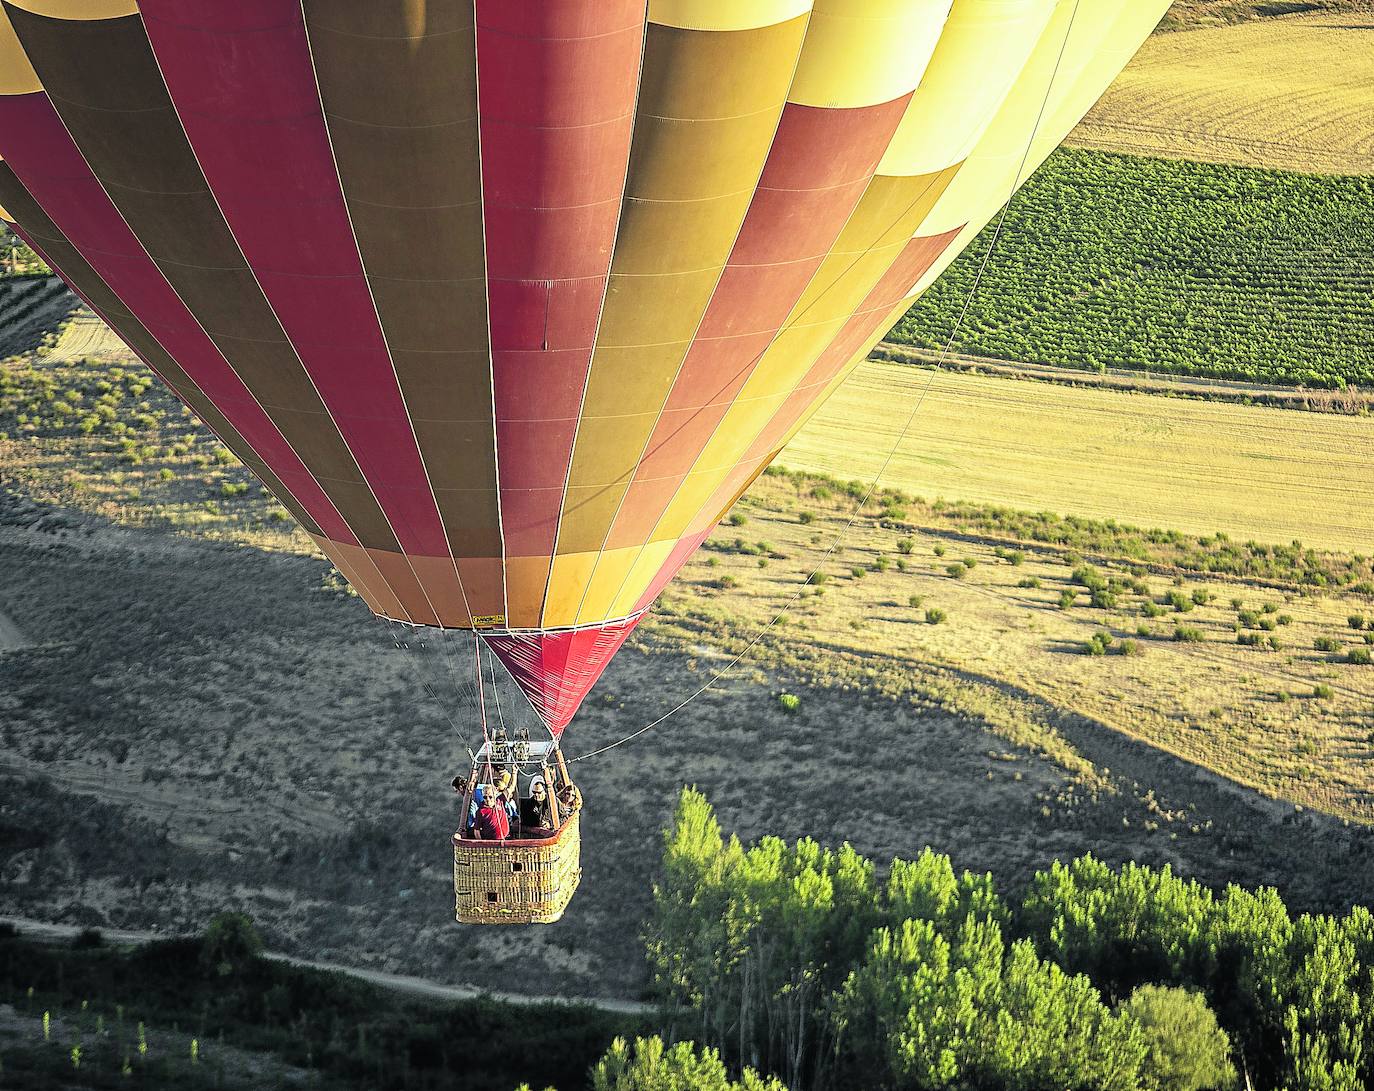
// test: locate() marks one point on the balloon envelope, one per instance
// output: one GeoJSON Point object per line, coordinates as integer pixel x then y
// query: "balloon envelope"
{"type": "Point", "coordinates": [508, 302]}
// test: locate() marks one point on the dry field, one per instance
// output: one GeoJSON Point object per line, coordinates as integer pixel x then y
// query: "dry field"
{"type": "Point", "coordinates": [1197, 466]}
{"type": "Point", "coordinates": [1293, 93]}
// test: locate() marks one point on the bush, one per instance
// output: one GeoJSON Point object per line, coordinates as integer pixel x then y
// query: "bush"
{"type": "Point", "coordinates": [1104, 599]}
{"type": "Point", "coordinates": [940, 551]}
{"type": "Point", "coordinates": [1249, 619]}
{"type": "Point", "coordinates": [1028, 581]}
{"type": "Point", "coordinates": [956, 571]}
{"type": "Point", "coordinates": [649, 1065]}
{"type": "Point", "coordinates": [1327, 644]}
{"type": "Point", "coordinates": [1131, 648]}
{"type": "Point", "coordinates": [934, 616]}
{"type": "Point", "coordinates": [970, 563]}
{"type": "Point", "coordinates": [1186, 1049]}
{"type": "Point", "coordinates": [858, 573]}
{"type": "Point", "coordinates": [1202, 597]}
{"type": "Point", "coordinates": [1322, 692]}
{"type": "Point", "coordinates": [905, 546]}
{"type": "Point", "coordinates": [1098, 645]}
{"type": "Point", "coordinates": [1179, 601]}
{"type": "Point", "coordinates": [789, 702]}
{"type": "Point", "coordinates": [1152, 609]}
{"type": "Point", "coordinates": [805, 518]}
{"type": "Point", "coordinates": [1187, 634]}
{"type": "Point", "coordinates": [1250, 640]}
{"type": "Point", "coordinates": [1356, 621]}
{"type": "Point", "coordinates": [726, 583]}
{"type": "Point", "coordinates": [738, 519]}
{"type": "Point", "coordinates": [1362, 657]}
{"type": "Point", "coordinates": [88, 938]}
{"type": "Point", "coordinates": [915, 600]}
{"type": "Point", "coordinates": [1066, 598]}
{"type": "Point", "coordinates": [230, 945]}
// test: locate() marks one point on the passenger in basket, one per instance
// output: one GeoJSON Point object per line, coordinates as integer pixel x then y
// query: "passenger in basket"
{"type": "Point", "coordinates": [571, 797]}
{"type": "Point", "coordinates": [493, 821]}
{"type": "Point", "coordinates": [535, 812]}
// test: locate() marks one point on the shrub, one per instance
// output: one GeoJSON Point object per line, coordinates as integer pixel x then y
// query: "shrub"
{"type": "Point", "coordinates": [858, 573]}
{"type": "Point", "coordinates": [956, 571]}
{"type": "Point", "coordinates": [1268, 623]}
{"type": "Point", "coordinates": [1179, 601]}
{"type": "Point", "coordinates": [805, 518]}
{"type": "Point", "coordinates": [915, 600]}
{"type": "Point", "coordinates": [1236, 604]}
{"type": "Point", "coordinates": [1249, 619]}
{"type": "Point", "coordinates": [820, 578]}
{"type": "Point", "coordinates": [1274, 643]}
{"type": "Point", "coordinates": [1028, 581]}
{"type": "Point", "coordinates": [230, 945]}
{"type": "Point", "coordinates": [1152, 609]}
{"type": "Point", "coordinates": [934, 616]}
{"type": "Point", "coordinates": [882, 564]}
{"type": "Point", "coordinates": [1104, 599]}
{"type": "Point", "coordinates": [789, 702]}
{"type": "Point", "coordinates": [726, 583]}
{"type": "Point", "coordinates": [1322, 692]}
{"type": "Point", "coordinates": [970, 563]}
{"type": "Point", "coordinates": [1356, 621]}
{"type": "Point", "coordinates": [1250, 640]}
{"type": "Point", "coordinates": [88, 938]}
{"type": "Point", "coordinates": [738, 519]}
{"type": "Point", "coordinates": [1131, 648]}
{"type": "Point", "coordinates": [1201, 596]}
{"type": "Point", "coordinates": [1066, 598]}
{"type": "Point", "coordinates": [1284, 619]}
{"type": "Point", "coordinates": [905, 546]}
{"type": "Point", "coordinates": [1185, 1048]}
{"type": "Point", "coordinates": [1361, 657]}
{"type": "Point", "coordinates": [940, 551]}
{"type": "Point", "coordinates": [1099, 643]}
{"type": "Point", "coordinates": [1327, 644]}
{"type": "Point", "coordinates": [1187, 634]}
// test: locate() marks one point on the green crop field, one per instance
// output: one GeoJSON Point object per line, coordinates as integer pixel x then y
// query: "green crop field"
{"type": "Point", "coordinates": [1192, 268]}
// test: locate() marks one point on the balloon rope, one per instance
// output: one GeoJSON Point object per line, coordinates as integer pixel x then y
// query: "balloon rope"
{"type": "Point", "coordinates": [858, 509]}
{"type": "Point", "coordinates": [419, 676]}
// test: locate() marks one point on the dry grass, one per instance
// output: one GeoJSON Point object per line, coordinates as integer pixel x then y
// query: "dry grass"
{"type": "Point", "coordinates": [1294, 93]}
{"type": "Point", "coordinates": [1196, 466]}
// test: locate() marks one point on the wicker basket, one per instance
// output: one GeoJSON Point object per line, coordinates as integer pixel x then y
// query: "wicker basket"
{"type": "Point", "coordinates": [517, 882]}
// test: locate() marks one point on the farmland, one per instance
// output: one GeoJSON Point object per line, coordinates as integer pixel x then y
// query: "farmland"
{"type": "Point", "coordinates": [1200, 269]}
{"type": "Point", "coordinates": [1295, 93]}
{"type": "Point", "coordinates": [1193, 466]}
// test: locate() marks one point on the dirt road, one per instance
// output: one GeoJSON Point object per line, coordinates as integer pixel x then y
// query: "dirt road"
{"type": "Point", "coordinates": [412, 986]}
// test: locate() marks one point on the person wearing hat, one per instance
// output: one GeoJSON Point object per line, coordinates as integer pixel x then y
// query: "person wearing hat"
{"type": "Point", "coordinates": [536, 812]}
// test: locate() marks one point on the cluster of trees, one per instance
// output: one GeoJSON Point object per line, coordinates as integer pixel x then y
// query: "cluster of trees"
{"type": "Point", "coordinates": [802, 962]}
{"type": "Point", "coordinates": [1160, 265]}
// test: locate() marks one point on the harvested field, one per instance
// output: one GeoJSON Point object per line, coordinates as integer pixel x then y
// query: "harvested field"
{"type": "Point", "coordinates": [1253, 472]}
{"type": "Point", "coordinates": [1293, 93]}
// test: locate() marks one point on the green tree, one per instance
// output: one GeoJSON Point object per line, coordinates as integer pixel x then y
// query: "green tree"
{"type": "Point", "coordinates": [649, 1065]}
{"type": "Point", "coordinates": [230, 944]}
{"type": "Point", "coordinates": [1185, 1048]}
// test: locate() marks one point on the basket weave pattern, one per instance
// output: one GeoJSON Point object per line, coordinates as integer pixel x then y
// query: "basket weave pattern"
{"type": "Point", "coordinates": [517, 882]}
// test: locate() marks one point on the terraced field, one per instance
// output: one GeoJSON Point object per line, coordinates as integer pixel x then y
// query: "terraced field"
{"type": "Point", "coordinates": [1157, 265]}
{"type": "Point", "coordinates": [1296, 93]}
{"type": "Point", "coordinates": [1269, 474]}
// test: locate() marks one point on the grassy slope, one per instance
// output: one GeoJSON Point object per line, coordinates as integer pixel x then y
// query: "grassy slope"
{"type": "Point", "coordinates": [1229, 272]}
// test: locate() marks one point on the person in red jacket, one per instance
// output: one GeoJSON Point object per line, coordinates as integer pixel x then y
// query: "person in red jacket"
{"type": "Point", "coordinates": [493, 820]}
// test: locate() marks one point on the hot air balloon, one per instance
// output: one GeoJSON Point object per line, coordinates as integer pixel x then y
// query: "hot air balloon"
{"type": "Point", "coordinates": [507, 301]}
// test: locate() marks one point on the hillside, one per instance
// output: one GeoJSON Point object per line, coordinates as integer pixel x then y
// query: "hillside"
{"type": "Point", "coordinates": [200, 716]}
